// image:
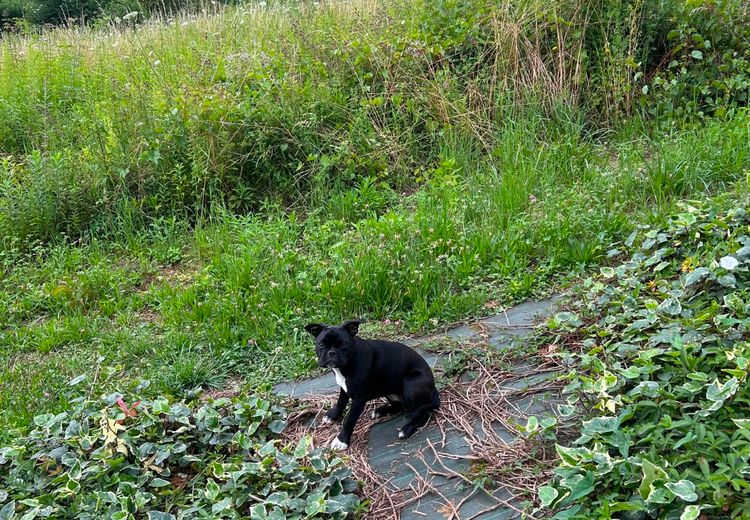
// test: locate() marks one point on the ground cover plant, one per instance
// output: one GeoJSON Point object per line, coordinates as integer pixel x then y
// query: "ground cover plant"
{"type": "Point", "coordinates": [162, 459]}
{"type": "Point", "coordinates": [660, 342]}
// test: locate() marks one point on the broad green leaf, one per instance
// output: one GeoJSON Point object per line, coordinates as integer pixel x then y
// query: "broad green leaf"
{"type": "Point", "coordinates": [278, 498]}
{"type": "Point", "coordinates": [632, 372]}
{"type": "Point", "coordinates": [303, 447]}
{"type": "Point", "coordinates": [212, 490]}
{"type": "Point", "coordinates": [8, 511]}
{"type": "Point", "coordinates": [567, 514]}
{"type": "Point", "coordinates": [684, 489]}
{"type": "Point", "coordinates": [547, 495]}
{"type": "Point", "coordinates": [727, 280]}
{"type": "Point", "coordinates": [671, 306]}
{"type": "Point", "coordinates": [566, 410]}
{"type": "Point", "coordinates": [222, 505]}
{"type": "Point", "coordinates": [651, 473]}
{"type": "Point", "coordinates": [696, 276]}
{"type": "Point", "coordinates": [580, 486]}
{"type": "Point", "coordinates": [599, 425]}
{"type": "Point", "coordinates": [690, 513]}
{"type": "Point", "coordinates": [729, 263]}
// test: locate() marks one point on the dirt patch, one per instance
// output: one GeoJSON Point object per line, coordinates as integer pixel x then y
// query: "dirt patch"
{"type": "Point", "coordinates": [177, 274]}
{"type": "Point", "coordinates": [231, 389]}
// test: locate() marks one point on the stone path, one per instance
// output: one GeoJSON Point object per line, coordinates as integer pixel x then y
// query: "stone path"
{"type": "Point", "coordinates": [399, 460]}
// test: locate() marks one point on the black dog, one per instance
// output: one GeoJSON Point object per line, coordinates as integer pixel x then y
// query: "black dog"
{"type": "Point", "coordinates": [368, 370]}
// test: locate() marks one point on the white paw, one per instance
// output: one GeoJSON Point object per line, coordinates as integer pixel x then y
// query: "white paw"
{"type": "Point", "coordinates": [374, 414]}
{"type": "Point", "coordinates": [401, 435]}
{"type": "Point", "coordinates": [337, 445]}
{"type": "Point", "coordinates": [327, 420]}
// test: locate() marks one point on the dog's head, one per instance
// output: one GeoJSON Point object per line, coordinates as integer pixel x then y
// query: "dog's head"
{"type": "Point", "coordinates": [334, 346]}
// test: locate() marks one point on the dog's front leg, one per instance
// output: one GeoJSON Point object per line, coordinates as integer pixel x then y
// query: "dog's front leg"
{"type": "Point", "coordinates": [335, 413]}
{"type": "Point", "coordinates": [345, 435]}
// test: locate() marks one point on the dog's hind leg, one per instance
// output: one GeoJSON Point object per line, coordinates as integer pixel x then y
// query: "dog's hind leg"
{"type": "Point", "coordinates": [392, 408]}
{"type": "Point", "coordinates": [419, 418]}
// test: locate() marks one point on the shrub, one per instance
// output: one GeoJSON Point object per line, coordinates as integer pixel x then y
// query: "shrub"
{"type": "Point", "coordinates": [705, 69]}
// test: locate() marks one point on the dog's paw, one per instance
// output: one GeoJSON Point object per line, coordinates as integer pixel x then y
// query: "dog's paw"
{"type": "Point", "coordinates": [327, 420]}
{"type": "Point", "coordinates": [337, 445]}
{"type": "Point", "coordinates": [375, 415]}
{"type": "Point", "coordinates": [401, 434]}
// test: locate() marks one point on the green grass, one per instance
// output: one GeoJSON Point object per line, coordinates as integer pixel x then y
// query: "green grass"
{"type": "Point", "coordinates": [177, 200]}
{"type": "Point", "coordinates": [186, 307]}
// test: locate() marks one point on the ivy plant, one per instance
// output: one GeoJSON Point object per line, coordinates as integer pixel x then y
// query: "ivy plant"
{"type": "Point", "coordinates": [162, 459]}
{"type": "Point", "coordinates": [661, 355]}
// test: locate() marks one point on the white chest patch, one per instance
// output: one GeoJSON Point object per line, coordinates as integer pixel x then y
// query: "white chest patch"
{"type": "Point", "coordinates": [340, 379]}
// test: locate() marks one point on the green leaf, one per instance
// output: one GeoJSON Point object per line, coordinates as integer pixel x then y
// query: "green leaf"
{"type": "Point", "coordinates": [267, 449]}
{"type": "Point", "coordinates": [160, 482]}
{"type": "Point", "coordinates": [729, 263]}
{"type": "Point", "coordinates": [277, 426]}
{"type": "Point", "coordinates": [632, 372]}
{"type": "Point", "coordinates": [727, 280]}
{"type": "Point", "coordinates": [684, 489]}
{"type": "Point", "coordinates": [212, 490]}
{"type": "Point", "coordinates": [567, 514]}
{"type": "Point", "coordinates": [599, 425]}
{"type": "Point", "coordinates": [580, 486]}
{"type": "Point", "coordinates": [222, 505]}
{"type": "Point", "coordinates": [671, 306]}
{"type": "Point", "coordinates": [690, 513]}
{"type": "Point", "coordinates": [158, 515]}
{"type": "Point", "coordinates": [698, 55]}
{"type": "Point", "coordinates": [8, 511]}
{"type": "Point", "coordinates": [303, 447]}
{"type": "Point", "coordinates": [547, 495]}
{"type": "Point", "coordinates": [566, 410]}
{"type": "Point", "coordinates": [651, 473]}
{"type": "Point", "coordinates": [160, 405]}
{"type": "Point", "coordinates": [696, 276]}
{"type": "Point", "coordinates": [76, 380]}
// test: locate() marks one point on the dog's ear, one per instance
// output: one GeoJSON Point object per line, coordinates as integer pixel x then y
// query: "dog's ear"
{"type": "Point", "coordinates": [352, 326]}
{"type": "Point", "coordinates": [315, 329]}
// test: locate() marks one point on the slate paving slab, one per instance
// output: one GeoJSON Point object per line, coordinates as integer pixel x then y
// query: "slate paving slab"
{"type": "Point", "coordinates": [405, 462]}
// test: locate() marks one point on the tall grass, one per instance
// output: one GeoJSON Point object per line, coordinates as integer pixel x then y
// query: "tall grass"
{"type": "Point", "coordinates": [231, 108]}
